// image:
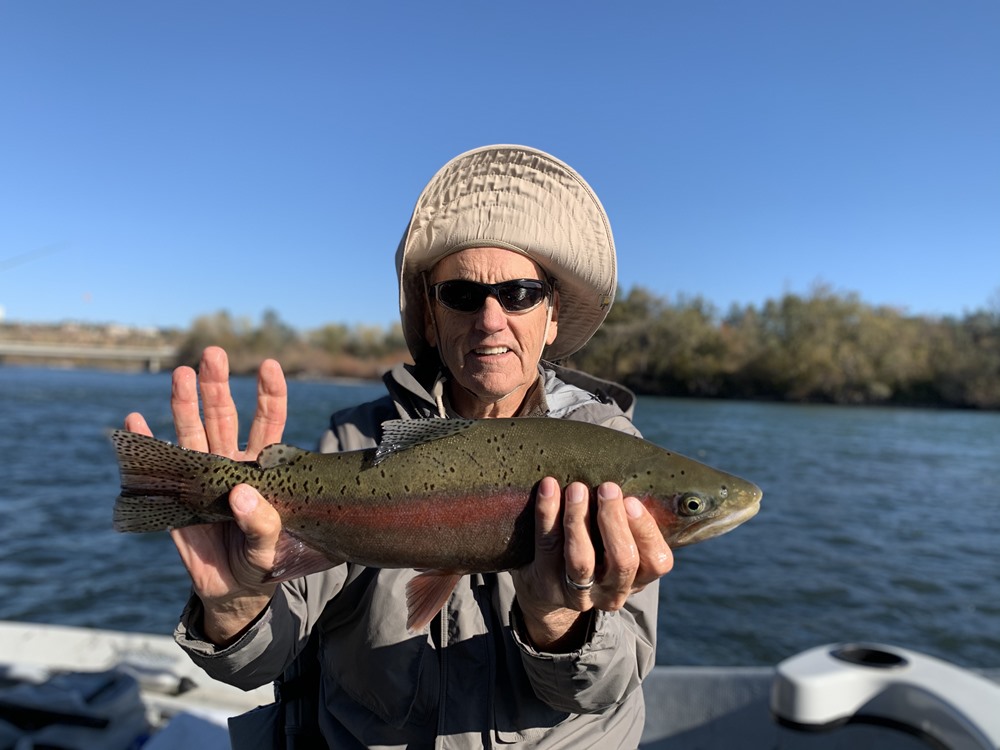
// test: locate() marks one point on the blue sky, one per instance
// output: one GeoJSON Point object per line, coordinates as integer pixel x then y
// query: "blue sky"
{"type": "Point", "coordinates": [164, 160]}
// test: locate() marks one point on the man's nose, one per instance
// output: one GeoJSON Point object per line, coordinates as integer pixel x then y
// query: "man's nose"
{"type": "Point", "coordinates": [492, 316]}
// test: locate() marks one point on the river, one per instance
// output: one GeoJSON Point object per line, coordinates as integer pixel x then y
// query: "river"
{"type": "Point", "coordinates": [877, 524]}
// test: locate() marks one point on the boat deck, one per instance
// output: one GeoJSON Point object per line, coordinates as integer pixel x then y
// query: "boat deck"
{"type": "Point", "coordinates": [687, 708]}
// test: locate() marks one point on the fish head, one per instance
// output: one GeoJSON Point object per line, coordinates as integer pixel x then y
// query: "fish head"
{"type": "Point", "coordinates": [692, 502]}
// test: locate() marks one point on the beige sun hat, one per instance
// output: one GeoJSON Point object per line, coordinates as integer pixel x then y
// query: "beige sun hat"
{"type": "Point", "coordinates": [521, 199]}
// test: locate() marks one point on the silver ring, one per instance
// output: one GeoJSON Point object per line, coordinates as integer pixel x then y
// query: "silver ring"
{"type": "Point", "coordinates": [579, 586]}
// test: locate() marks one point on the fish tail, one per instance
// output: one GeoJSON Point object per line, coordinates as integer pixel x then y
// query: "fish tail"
{"type": "Point", "coordinates": [166, 487]}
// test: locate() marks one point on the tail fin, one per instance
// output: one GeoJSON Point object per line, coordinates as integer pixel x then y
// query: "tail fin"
{"type": "Point", "coordinates": [165, 486]}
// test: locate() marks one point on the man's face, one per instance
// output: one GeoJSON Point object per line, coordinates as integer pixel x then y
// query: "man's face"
{"type": "Point", "coordinates": [492, 354]}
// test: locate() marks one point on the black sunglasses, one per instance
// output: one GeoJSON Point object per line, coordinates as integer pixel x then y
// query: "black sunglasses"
{"type": "Point", "coordinates": [517, 296]}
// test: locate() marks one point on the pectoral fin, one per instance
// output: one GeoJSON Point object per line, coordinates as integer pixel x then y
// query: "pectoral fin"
{"type": "Point", "coordinates": [426, 594]}
{"type": "Point", "coordinates": [293, 558]}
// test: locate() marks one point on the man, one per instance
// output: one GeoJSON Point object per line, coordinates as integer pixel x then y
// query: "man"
{"type": "Point", "coordinates": [508, 255]}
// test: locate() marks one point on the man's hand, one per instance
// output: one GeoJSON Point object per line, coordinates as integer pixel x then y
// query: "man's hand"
{"type": "Point", "coordinates": [634, 555]}
{"type": "Point", "coordinates": [227, 561]}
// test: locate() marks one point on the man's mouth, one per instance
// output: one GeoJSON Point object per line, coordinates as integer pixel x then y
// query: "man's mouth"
{"type": "Point", "coordinates": [484, 351]}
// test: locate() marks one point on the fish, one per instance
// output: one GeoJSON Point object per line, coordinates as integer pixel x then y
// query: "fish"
{"type": "Point", "coordinates": [445, 497]}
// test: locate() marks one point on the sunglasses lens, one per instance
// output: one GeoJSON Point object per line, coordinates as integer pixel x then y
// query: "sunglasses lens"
{"type": "Point", "coordinates": [468, 296]}
{"type": "Point", "coordinates": [518, 296]}
{"type": "Point", "coordinates": [463, 296]}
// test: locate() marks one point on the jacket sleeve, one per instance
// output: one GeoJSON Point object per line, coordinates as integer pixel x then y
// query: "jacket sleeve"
{"type": "Point", "coordinates": [610, 666]}
{"type": "Point", "coordinates": [269, 645]}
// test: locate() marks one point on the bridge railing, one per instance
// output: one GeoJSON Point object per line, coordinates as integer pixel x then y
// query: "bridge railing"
{"type": "Point", "coordinates": [152, 358]}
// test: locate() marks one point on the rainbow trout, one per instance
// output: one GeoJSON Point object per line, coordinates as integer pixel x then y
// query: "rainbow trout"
{"type": "Point", "coordinates": [448, 497]}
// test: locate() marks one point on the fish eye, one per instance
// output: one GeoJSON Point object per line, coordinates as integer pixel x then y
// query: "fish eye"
{"type": "Point", "coordinates": [691, 505]}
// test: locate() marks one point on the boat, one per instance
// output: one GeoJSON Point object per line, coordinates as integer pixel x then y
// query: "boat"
{"type": "Point", "coordinates": [79, 688]}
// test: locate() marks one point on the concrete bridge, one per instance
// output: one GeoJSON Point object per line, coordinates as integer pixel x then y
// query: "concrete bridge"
{"type": "Point", "coordinates": [150, 358]}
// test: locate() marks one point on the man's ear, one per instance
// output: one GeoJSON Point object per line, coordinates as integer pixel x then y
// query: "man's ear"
{"type": "Point", "coordinates": [553, 319]}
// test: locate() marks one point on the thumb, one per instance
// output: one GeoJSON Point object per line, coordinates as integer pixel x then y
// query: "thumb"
{"type": "Point", "coordinates": [256, 517]}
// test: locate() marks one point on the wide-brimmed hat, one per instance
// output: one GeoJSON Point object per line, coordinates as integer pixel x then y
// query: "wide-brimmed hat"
{"type": "Point", "coordinates": [521, 199]}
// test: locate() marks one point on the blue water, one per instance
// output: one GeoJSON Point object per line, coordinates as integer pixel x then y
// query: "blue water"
{"type": "Point", "coordinates": [877, 524]}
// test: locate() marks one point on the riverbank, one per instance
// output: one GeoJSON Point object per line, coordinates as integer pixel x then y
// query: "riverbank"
{"type": "Point", "coordinates": [823, 348]}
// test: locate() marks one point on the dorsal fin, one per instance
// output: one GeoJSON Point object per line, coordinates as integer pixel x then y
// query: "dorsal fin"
{"type": "Point", "coordinates": [400, 434]}
{"type": "Point", "coordinates": [278, 454]}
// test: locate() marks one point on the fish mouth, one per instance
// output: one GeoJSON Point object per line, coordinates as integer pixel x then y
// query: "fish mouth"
{"type": "Point", "coordinates": [716, 525]}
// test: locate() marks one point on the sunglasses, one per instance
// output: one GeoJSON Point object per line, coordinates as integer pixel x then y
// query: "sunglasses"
{"type": "Point", "coordinates": [517, 296]}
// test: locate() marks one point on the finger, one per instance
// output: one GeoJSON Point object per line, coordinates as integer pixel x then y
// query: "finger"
{"type": "Point", "coordinates": [184, 406]}
{"type": "Point", "coordinates": [656, 559]}
{"type": "Point", "coordinates": [135, 422]}
{"type": "Point", "coordinates": [272, 408]}
{"type": "Point", "coordinates": [621, 555]}
{"type": "Point", "coordinates": [548, 533]}
{"type": "Point", "coordinates": [580, 556]}
{"type": "Point", "coordinates": [221, 420]}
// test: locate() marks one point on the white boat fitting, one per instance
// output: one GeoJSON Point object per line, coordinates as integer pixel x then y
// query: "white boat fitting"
{"type": "Point", "coordinates": [829, 686]}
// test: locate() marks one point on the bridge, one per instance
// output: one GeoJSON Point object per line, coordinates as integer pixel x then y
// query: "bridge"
{"type": "Point", "coordinates": [151, 358]}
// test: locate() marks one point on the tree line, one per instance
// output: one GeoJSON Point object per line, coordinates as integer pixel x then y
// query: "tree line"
{"type": "Point", "coordinates": [820, 347]}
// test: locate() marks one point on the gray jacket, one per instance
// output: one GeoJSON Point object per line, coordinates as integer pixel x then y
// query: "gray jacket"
{"type": "Point", "coordinates": [471, 680]}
